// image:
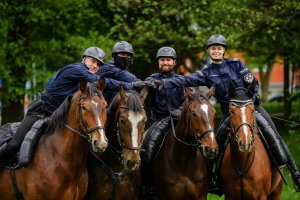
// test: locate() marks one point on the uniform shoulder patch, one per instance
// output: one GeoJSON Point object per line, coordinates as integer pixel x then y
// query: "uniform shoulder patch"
{"type": "Point", "coordinates": [248, 78]}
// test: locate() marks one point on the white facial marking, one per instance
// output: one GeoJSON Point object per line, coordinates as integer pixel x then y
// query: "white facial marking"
{"type": "Point", "coordinates": [244, 121]}
{"type": "Point", "coordinates": [204, 107]}
{"type": "Point", "coordinates": [134, 118]}
{"type": "Point", "coordinates": [102, 134]}
{"type": "Point", "coordinates": [95, 103]}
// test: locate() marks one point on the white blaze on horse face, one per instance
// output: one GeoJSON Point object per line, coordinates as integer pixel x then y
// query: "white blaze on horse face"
{"type": "Point", "coordinates": [204, 108]}
{"type": "Point", "coordinates": [102, 134]}
{"type": "Point", "coordinates": [135, 119]}
{"type": "Point", "coordinates": [95, 103]}
{"type": "Point", "coordinates": [243, 109]}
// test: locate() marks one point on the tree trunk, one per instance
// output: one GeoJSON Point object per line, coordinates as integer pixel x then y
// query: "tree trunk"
{"type": "Point", "coordinates": [286, 86]}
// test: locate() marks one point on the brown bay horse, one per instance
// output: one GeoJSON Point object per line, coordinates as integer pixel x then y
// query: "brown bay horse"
{"type": "Point", "coordinates": [115, 173]}
{"type": "Point", "coordinates": [246, 171]}
{"type": "Point", "coordinates": [58, 167]}
{"type": "Point", "coordinates": [180, 169]}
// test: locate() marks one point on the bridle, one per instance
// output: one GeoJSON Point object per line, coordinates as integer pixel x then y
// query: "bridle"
{"type": "Point", "coordinates": [117, 131]}
{"type": "Point", "coordinates": [84, 131]}
{"type": "Point", "coordinates": [198, 136]}
{"type": "Point", "coordinates": [240, 104]}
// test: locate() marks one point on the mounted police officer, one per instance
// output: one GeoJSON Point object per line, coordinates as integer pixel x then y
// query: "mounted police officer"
{"type": "Point", "coordinates": [63, 83]}
{"type": "Point", "coordinates": [160, 104]}
{"type": "Point", "coordinates": [220, 72]}
{"type": "Point", "coordinates": [122, 53]}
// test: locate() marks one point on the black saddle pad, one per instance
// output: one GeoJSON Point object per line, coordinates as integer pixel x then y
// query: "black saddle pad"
{"type": "Point", "coordinates": [7, 131]}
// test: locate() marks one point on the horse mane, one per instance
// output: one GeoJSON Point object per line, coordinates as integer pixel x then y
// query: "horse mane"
{"type": "Point", "coordinates": [58, 118]}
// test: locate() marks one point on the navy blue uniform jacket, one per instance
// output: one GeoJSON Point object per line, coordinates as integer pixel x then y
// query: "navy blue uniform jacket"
{"type": "Point", "coordinates": [219, 75]}
{"type": "Point", "coordinates": [162, 102]}
{"type": "Point", "coordinates": [110, 70]}
{"type": "Point", "coordinates": [65, 82]}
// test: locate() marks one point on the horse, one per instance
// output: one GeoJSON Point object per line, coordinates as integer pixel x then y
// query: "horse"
{"type": "Point", "coordinates": [246, 170]}
{"type": "Point", "coordinates": [180, 170]}
{"type": "Point", "coordinates": [115, 173]}
{"type": "Point", "coordinates": [58, 167]}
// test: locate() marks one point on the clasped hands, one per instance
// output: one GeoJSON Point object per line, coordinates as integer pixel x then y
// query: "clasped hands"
{"type": "Point", "coordinates": [155, 84]}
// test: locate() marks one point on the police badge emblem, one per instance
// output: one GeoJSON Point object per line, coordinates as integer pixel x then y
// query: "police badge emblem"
{"type": "Point", "coordinates": [248, 78]}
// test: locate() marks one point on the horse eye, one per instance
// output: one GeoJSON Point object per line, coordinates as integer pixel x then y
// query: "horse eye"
{"type": "Point", "coordinates": [194, 114]}
{"type": "Point", "coordinates": [83, 107]}
{"type": "Point", "coordinates": [122, 120]}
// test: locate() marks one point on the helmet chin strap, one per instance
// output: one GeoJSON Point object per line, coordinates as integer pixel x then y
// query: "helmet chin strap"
{"type": "Point", "coordinates": [217, 60]}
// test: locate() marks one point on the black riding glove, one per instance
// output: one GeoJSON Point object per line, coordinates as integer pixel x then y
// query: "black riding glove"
{"type": "Point", "coordinates": [176, 113]}
{"type": "Point", "coordinates": [159, 84]}
{"type": "Point", "coordinates": [141, 84]}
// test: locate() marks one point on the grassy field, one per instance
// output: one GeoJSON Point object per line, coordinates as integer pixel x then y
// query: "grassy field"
{"type": "Point", "coordinates": [288, 192]}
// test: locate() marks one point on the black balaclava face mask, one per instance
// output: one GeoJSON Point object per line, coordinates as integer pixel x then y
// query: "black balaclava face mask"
{"type": "Point", "coordinates": [123, 62]}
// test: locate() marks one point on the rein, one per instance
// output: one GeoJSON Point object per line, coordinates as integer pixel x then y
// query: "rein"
{"type": "Point", "coordinates": [116, 176]}
{"type": "Point", "coordinates": [198, 140]}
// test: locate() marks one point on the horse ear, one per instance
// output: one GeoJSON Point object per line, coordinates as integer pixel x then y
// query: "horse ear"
{"type": "Point", "coordinates": [211, 91]}
{"type": "Point", "coordinates": [187, 92]}
{"type": "Point", "coordinates": [231, 89]}
{"type": "Point", "coordinates": [101, 84]}
{"type": "Point", "coordinates": [143, 94]}
{"type": "Point", "coordinates": [122, 93]}
{"type": "Point", "coordinates": [82, 85]}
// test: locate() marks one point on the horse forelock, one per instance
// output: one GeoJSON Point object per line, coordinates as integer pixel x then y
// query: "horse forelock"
{"type": "Point", "coordinates": [92, 90]}
{"type": "Point", "coordinates": [134, 102]}
{"type": "Point", "coordinates": [241, 94]}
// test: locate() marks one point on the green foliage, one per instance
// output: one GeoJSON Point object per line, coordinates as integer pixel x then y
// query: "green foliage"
{"type": "Point", "coordinates": [54, 33]}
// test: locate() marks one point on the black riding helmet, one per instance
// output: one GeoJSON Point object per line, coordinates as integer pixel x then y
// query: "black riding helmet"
{"type": "Point", "coordinates": [122, 46]}
{"type": "Point", "coordinates": [166, 52]}
{"type": "Point", "coordinates": [96, 53]}
{"type": "Point", "coordinates": [217, 40]}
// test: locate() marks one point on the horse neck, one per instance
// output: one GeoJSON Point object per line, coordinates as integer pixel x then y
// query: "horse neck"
{"type": "Point", "coordinates": [181, 132]}
{"type": "Point", "coordinates": [69, 144]}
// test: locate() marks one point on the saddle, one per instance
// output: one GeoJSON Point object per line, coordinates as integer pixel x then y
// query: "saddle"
{"type": "Point", "coordinates": [28, 145]}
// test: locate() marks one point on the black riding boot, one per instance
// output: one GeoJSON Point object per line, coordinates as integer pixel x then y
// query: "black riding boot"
{"type": "Point", "coordinates": [150, 146]}
{"type": "Point", "coordinates": [3, 152]}
{"type": "Point", "coordinates": [214, 185]}
{"type": "Point", "coordinates": [272, 139]}
{"type": "Point", "coordinates": [292, 167]}
{"type": "Point", "coordinates": [279, 149]}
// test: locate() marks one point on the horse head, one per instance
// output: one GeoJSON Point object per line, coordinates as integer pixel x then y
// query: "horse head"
{"type": "Point", "coordinates": [88, 110]}
{"type": "Point", "coordinates": [129, 122]}
{"type": "Point", "coordinates": [200, 114]}
{"type": "Point", "coordinates": [241, 109]}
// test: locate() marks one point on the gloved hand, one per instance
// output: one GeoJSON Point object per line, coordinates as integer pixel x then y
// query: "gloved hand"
{"type": "Point", "coordinates": [150, 84]}
{"type": "Point", "coordinates": [176, 113]}
{"type": "Point", "coordinates": [140, 84]}
{"type": "Point", "coordinates": [159, 84]}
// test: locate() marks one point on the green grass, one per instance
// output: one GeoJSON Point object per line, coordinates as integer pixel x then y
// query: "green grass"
{"type": "Point", "coordinates": [288, 192]}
